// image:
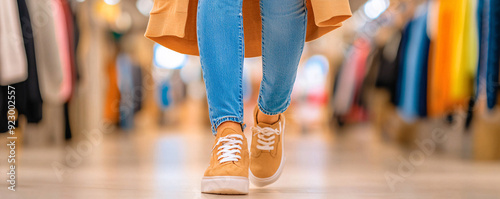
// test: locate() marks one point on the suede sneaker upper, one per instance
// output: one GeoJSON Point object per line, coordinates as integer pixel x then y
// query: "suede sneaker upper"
{"type": "Point", "coordinates": [266, 150]}
{"type": "Point", "coordinates": [229, 155]}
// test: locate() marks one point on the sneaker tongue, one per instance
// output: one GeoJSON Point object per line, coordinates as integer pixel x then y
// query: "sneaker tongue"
{"type": "Point", "coordinates": [227, 131]}
{"type": "Point", "coordinates": [263, 125]}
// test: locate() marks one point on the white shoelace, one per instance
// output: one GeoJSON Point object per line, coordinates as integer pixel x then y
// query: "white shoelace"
{"type": "Point", "coordinates": [229, 148]}
{"type": "Point", "coordinates": [266, 136]}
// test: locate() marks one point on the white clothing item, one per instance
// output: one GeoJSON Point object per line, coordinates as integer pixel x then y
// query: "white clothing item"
{"type": "Point", "coordinates": [13, 61]}
{"type": "Point", "coordinates": [48, 63]}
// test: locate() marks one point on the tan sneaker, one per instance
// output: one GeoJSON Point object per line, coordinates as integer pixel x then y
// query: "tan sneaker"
{"type": "Point", "coordinates": [228, 170]}
{"type": "Point", "coordinates": [267, 157]}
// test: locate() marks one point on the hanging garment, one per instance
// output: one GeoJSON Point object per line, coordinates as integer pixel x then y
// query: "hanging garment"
{"type": "Point", "coordinates": [400, 61]}
{"type": "Point", "coordinates": [163, 91]}
{"type": "Point", "coordinates": [414, 69]}
{"type": "Point", "coordinates": [62, 34]}
{"type": "Point", "coordinates": [482, 23]}
{"type": "Point", "coordinates": [112, 101]}
{"type": "Point", "coordinates": [72, 37]}
{"type": "Point", "coordinates": [464, 72]}
{"type": "Point", "coordinates": [343, 94]}
{"type": "Point", "coordinates": [13, 64]}
{"type": "Point", "coordinates": [72, 41]}
{"type": "Point", "coordinates": [76, 43]}
{"type": "Point", "coordinates": [387, 76]}
{"type": "Point", "coordinates": [351, 77]}
{"type": "Point", "coordinates": [451, 71]}
{"type": "Point", "coordinates": [67, 124]}
{"type": "Point", "coordinates": [137, 89]}
{"type": "Point", "coordinates": [162, 94]}
{"type": "Point", "coordinates": [34, 102]}
{"type": "Point", "coordinates": [439, 69]}
{"type": "Point", "coordinates": [126, 86]}
{"type": "Point", "coordinates": [27, 94]}
{"type": "Point", "coordinates": [479, 70]}
{"type": "Point", "coordinates": [492, 52]}
{"type": "Point", "coordinates": [48, 62]}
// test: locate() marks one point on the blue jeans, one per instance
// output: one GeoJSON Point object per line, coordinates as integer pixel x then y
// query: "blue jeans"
{"type": "Point", "coordinates": [221, 45]}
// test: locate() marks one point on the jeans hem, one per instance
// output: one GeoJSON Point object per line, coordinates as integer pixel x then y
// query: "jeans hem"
{"type": "Point", "coordinates": [221, 120]}
{"type": "Point", "coordinates": [287, 104]}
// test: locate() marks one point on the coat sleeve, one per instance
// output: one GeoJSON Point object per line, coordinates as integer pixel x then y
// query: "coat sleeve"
{"type": "Point", "coordinates": [330, 12]}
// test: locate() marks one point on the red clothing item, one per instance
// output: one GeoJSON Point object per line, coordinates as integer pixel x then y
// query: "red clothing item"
{"type": "Point", "coordinates": [63, 44]}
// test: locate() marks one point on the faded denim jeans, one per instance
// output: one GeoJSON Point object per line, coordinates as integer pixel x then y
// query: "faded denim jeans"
{"type": "Point", "coordinates": [221, 46]}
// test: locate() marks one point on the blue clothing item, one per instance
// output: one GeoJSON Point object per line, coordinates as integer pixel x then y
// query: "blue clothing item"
{"type": "Point", "coordinates": [413, 98]}
{"type": "Point", "coordinates": [482, 10]}
{"type": "Point", "coordinates": [126, 86]}
{"type": "Point", "coordinates": [399, 88]}
{"type": "Point", "coordinates": [492, 52]}
{"type": "Point", "coordinates": [163, 94]}
{"type": "Point", "coordinates": [221, 45]}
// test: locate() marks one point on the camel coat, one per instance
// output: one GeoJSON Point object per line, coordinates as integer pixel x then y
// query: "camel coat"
{"type": "Point", "coordinates": [172, 23]}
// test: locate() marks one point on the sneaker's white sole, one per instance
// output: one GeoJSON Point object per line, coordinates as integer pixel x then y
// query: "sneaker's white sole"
{"type": "Point", "coordinates": [225, 185]}
{"type": "Point", "coordinates": [261, 182]}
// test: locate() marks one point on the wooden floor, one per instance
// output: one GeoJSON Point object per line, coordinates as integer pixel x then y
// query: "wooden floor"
{"type": "Point", "coordinates": [170, 164]}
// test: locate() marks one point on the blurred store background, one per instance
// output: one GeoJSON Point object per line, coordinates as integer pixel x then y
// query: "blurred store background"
{"type": "Point", "coordinates": [398, 71]}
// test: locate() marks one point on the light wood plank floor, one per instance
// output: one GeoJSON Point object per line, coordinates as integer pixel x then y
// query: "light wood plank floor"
{"type": "Point", "coordinates": [170, 164]}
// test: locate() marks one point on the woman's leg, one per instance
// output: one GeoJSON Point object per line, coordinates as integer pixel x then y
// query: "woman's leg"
{"type": "Point", "coordinates": [220, 41]}
{"type": "Point", "coordinates": [283, 37]}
